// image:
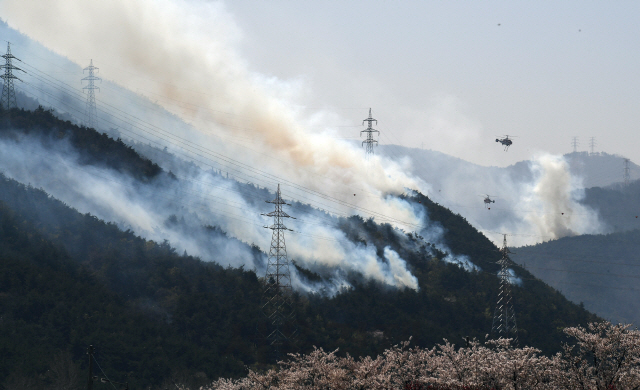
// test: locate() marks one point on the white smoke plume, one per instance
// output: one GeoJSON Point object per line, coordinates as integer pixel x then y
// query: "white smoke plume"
{"type": "Point", "coordinates": [535, 201]}
{"type": "Point", "coordinates": [553, 204]}
{"type": "Point", "coordinates": [176, 210]}
{"type": "Point", "coordinates": [183, 51]}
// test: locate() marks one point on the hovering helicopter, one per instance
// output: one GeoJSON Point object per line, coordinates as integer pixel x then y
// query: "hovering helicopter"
{"type": "Point", "coordinates": [505, 141]}
{"type": "Point", "coordinates": [487, 200]}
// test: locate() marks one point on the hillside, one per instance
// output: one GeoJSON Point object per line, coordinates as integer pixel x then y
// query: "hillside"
{"type": "Point", "coordinates": [461, 186]}
{"type": "Point", "coordinates": [94, 148]}
{"type": "Point", "coordinates": [618, 206]}
{"type": "Point", "coordinates": [600, 169]}
{"type": "Point", "coordinates": [52, 305]}
{"type": "Point", "coordinates": [599, 271]}
{"type": "Point", "coordinates": [199, 318]}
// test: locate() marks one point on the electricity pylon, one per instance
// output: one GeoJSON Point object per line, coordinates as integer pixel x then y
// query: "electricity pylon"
{"type": "Point", "coordinates": [90, 111]}
{"type": "Point", "coordinates": [369, 130]}
{"type": "Point", "coordinates": [276, 300]}
{"type": "Point", "coordinates": [575, 143]}
{"type": "Point", "coordinates": [626, 176]}
{"type": "Point", "coordinates": [592, 144]}
{"type": "Point", "coordinates": [8, 92]}
{"type": "Point", "coordinates": [504, 317]}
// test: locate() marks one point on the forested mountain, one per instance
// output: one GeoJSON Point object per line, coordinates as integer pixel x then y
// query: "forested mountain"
{"type": "Point", "coordinates": [70, 279]}
{"type": "Point", "coordinates": [618, 205]}
{"type": "Point", "coordinates": [599, 271]}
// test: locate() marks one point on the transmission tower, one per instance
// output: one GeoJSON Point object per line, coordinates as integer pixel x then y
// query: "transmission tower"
{"type": "Point", "coordinates": [626, 176]}
{"type": "Point", "coordinates": [369, 130]}
{"type": "Point", "coordinates": [276, 300]}
{"type": "Point", "coordinates": [8, 100]}
{"type": "Point", "coordinates": [90, 111]}
{"type": "Point", "coordinates": [592, 144]}
{"type": "Point", "coordinates": [504, 317]}
{"type": "Point", "coordinates": [575, 143]}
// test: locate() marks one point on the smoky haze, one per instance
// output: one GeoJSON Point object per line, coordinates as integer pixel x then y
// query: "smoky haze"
{"type": "Point", "coordinates": [181, 51]}
{"type": "Point", "coordinates": [182, 56]}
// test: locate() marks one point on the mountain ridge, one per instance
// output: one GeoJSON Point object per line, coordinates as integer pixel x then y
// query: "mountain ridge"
{"type": "Point", "coordinates": [211, 310]}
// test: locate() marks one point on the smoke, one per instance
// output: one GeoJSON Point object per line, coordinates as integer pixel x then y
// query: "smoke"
{"type": "Point", "coordinates": [512, 277]}
{"type": "Point", "coordinates": [553, 203]}
{"type": "Point", "coordinates": [178, 210]}
{"type": "Point", "coordinates": [184, 51]}
{"type": "Point", "coordinates": [535, 201]}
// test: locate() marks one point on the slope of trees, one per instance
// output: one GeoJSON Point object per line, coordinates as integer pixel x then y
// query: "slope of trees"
{"type": "Point", "coordinates": [95, 148]}
{"type": "Point", "coordinates": [155, 315]}
{"type": "Point", "coordinates": [617, 205]}
{"type": "Point", "coordinates": [600, 271]}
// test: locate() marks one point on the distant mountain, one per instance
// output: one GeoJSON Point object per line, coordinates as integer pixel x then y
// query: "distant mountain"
{"type": "Point", "coordinates": [519, 201]}
{"type": "Point", "coordinates": [596, 170]}
{"type": "Point", "coordinates": [600, 169]}
{"type": "Point", "coordinates": [618, 205]}
{"type": "Point", "coordinates": [599, 271]}
{"type": "Point", "coordinates": [200, 318]}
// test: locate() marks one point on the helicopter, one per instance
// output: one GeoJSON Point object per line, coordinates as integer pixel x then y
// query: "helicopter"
{"type": "Point", "coordinates": [487, 200]}
{"type": "Point", "coordinates": [505, 141]}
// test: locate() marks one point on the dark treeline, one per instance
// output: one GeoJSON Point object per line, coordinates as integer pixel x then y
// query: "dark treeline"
{"type": "Point", "coordinates": [94, 148]}
{"type": "Point", "coordinates": [68, 280]}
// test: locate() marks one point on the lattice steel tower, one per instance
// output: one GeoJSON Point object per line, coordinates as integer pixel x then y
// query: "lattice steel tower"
{"type": "Point", "coordinates": [592, 144]}
{"type": "Point", "coordinates": [276, 300]}
{"type": "Point", "coordinates": [626, 176]}
{"type": "Point", "coordinates": [8, 92]}
{"type": "Point", "coordinates": [575, 143]}
{"type": "Point", "coordinates": [504, 317]}
{"type": "Point", "coordinates": [90, 111]}
{"type": "Point", "coordinates": [369, 130]}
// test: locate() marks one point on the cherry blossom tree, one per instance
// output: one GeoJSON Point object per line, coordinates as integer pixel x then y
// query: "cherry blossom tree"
{"type": "Point", "coordinates": [603, 357]}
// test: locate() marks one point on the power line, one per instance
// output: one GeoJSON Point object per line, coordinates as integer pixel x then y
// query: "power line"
{"type": "Point", "coordinates": [191, 145]}
{"type": "Point", "coordinates": [259, 177]}
{"type": "Point", "coordinates": [327, 238]}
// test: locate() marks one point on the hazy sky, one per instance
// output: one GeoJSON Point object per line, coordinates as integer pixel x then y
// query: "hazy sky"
{"type": "Point", "coordinates": [454, 75]}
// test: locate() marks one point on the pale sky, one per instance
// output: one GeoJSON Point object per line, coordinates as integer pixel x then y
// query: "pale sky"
{"type": "Point", "coordinates": [454, 75]}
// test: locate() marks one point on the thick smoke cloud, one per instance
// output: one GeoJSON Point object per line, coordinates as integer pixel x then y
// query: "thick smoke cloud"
{"type": "Point", "coordinates": [183, 51]}
{"type": "Point", "coordinates": [178, 210]}
{"type": "Point", "coordinates": [553, 203]}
